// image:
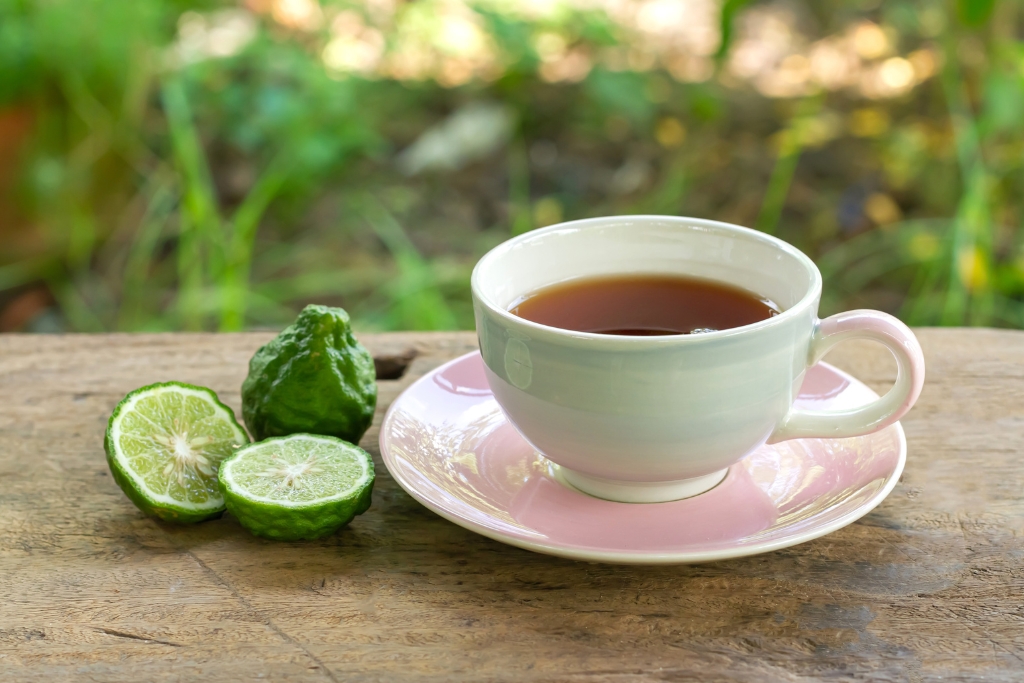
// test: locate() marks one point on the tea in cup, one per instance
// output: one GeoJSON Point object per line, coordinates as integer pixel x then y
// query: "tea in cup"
{"type": "Point", "coordinates": [646, 354]}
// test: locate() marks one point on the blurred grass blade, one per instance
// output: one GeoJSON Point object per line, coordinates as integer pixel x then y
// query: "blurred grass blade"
{"type": "Point", "coordinates": [141, 256]}
{"type": "Point", "coordinates": [778, 188]}
{"type": "Point", "coordinates": [73, 305]}
{"type": "Point", "coordinates": [670, 194]}
{"type": "Point", "coordinates": [968, 296]}
{"type": "Point", "coordinates": [190, 274]}
{"type": "Point", "coordinates": [851, 266]}
{"type": "Point", "coordinates": [244, 224]}
{"type": "Point", "coordinates": [312, 285]}
{"type": "Point", "coordinates": [22, 273]}
{"type": "Point", "coordinates": [417, 303]}
{"type": "Point", "coordinates": [1009, 311]}
{"type": "Point", "coordinates": [867, 244]}
{"type": "Point", "coordinates": [98, 140]}
{"type": "Point", "coordinates": [520, 209]}
{"type": "Point", "coordinates": [199, 223]}
{"type": "Point", "coordinates": [972, 229]}
{"type": "Point", "coordinates": [726, 25]}
{"type": "Point", "coordinates": [791, 143]}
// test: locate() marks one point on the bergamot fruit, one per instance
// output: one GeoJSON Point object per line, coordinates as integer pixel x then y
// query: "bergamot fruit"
{"type": "Point", "coordinates": [297, 487]}
{"type": "Point", "coordinates": [312, 378]}
{"type": "Point", "coordinates": [164, 444]}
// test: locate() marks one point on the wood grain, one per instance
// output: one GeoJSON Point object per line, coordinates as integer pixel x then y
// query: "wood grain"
{"type": "Point", "coordinates": [928, 587]}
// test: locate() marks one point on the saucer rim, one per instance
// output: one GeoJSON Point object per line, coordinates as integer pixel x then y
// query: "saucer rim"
{"type": "Point", "coordinates": [646, 558]}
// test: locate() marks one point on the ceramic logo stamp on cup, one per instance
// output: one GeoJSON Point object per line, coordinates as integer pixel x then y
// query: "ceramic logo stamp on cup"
{"type": "Point", "coordinates": [662, 417]}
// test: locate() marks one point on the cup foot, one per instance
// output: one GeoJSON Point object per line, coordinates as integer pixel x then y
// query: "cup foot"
{"type": "Point", "coordinates": [639, 491]}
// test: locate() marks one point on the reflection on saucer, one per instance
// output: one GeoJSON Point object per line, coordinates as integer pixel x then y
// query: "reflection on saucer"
{"type": "Point", "coordinates": [736, 508]}
{"type": "Point", "coordinates": [466, 379]}
{"type": "Point", "coordinates": [447, 443]}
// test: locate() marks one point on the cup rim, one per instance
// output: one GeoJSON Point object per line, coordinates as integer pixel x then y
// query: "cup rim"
{"type": "Point", "coordinates": [812, 294]}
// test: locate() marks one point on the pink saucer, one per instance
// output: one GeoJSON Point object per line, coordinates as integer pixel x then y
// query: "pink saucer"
{"type": "Point", "coordinates": [447, 443]}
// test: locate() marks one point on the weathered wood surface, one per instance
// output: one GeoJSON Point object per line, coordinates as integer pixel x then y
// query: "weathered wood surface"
{"type": "Point", "coordinates": [928, 587]}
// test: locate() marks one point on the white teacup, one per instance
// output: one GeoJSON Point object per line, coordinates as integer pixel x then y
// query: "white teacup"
{"type": "Point", "coordinates": [647, 419]}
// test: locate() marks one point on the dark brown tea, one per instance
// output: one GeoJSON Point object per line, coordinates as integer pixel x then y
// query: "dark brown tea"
{"type": "Point", "coordinates": [644, 305]}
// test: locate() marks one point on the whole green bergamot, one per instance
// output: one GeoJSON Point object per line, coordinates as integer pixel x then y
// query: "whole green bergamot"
{"type": "Point", "coordinates": [313, 378]}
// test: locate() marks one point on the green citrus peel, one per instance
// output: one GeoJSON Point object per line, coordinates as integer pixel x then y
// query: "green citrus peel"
{"type": "Point", "coordinates": [164, 445]}
{"type": "Point", "coordinates": [302, 486]}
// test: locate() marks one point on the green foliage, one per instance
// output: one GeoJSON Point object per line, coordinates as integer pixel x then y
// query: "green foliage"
{"type": "Point", "coordinates": [620, 92]}
{"type": "Point", "coordinates": [975, 13]}
{"type": "Point", "coordinates": [727, 19]}
{"type": "Point", "coordinates": [152, 183]}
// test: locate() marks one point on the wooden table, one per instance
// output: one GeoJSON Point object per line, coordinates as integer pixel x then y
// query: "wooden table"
{"type": "Point", "coordinates": [928, 587]}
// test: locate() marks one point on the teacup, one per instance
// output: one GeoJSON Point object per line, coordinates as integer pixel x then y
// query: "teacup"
{"type": "Point", "coordinates": [657, 418]}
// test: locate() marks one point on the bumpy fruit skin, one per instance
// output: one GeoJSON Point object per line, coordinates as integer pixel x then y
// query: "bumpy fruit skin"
{"type": "Point", "coordinates": [312, 378]}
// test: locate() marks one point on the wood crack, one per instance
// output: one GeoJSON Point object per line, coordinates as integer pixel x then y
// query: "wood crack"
{"type": "Point", "coordinates": [879, 533]}
{"type": "Point", "coordinates": [132, 636]}
{"type": "Point", "coordinates": [982, 632]}
{"type": "Point", "coordinates": [264, 619]}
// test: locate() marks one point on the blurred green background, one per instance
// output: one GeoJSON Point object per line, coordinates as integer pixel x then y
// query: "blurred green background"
{"type": "Point", "coordinates": [179, 165]}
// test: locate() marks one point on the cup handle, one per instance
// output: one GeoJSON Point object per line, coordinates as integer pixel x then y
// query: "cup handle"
{"type": "Point", "coordinates": [863, 324]}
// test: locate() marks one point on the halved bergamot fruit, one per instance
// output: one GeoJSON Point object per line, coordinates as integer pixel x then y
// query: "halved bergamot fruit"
{"type": "Point", "coordinates": [301, 486]}
{"type": "Point", "coordinates": [164, 444]}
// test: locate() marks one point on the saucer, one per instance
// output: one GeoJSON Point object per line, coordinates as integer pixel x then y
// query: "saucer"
{"type": "Point", "coordinates": [447, 443]}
